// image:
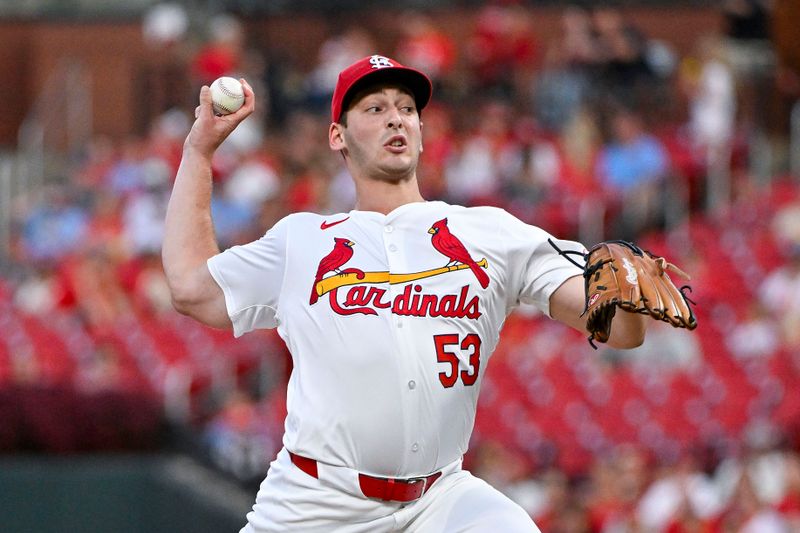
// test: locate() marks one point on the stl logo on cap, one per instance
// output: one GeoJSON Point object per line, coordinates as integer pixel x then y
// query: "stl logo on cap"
{"type": "Point", "coordinates": [380, 62]}
{"type": "Point", "coordinates": [378, 68]}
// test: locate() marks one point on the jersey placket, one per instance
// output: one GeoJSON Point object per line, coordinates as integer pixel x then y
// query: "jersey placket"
{"type": "Point", "coordinates": [409, 381]}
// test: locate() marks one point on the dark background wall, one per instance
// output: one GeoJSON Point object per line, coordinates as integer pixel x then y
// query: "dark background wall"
{"type": "Point", "coordinates": [116, 494]}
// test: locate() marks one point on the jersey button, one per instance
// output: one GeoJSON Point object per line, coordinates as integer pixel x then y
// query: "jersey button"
{"type": "Point", "coordinates": [399, 324]}
{"type": "Point", "coordinates": [412, 384]}
{"type": "Point", "coordinates": [414, 447]}
{"type": "Point", "coordinates": [392, 248]}
{"type": "Point", "coordinates": [388, 229]}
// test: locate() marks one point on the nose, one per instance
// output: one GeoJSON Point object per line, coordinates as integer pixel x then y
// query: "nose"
{"type": "Point", "coordinates": [393, 119]}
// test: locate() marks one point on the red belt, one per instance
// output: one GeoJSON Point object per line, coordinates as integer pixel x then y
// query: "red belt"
{"type": "Point", "coordinates": [381, 488]}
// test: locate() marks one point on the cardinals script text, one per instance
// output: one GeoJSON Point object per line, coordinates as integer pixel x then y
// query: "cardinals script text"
{"type": "Point", "coordinates": [361, 299]}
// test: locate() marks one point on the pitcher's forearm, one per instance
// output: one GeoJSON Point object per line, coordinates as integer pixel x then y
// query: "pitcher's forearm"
{"type": "Point", "coordinates": [188, 230]}
{"type": "Point", "coordinates": [627, 330]}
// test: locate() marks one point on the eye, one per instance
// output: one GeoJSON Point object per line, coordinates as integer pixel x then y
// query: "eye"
{"type": "Point", "coordinates": [373, 109]}
{"type": "Point", "coordinates": [407, 109]}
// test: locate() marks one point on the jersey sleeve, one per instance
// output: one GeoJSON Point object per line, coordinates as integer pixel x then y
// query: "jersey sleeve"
{"type": "Point", "coordinates": [251, 277]}
{"type": "Point", "coordinates": [536, 269]}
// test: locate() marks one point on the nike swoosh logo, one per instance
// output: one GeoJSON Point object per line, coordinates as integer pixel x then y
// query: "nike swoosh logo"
{"type": "Point", "coordinates": [326, 225]}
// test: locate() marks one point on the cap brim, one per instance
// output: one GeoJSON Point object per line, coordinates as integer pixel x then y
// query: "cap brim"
{"type": "Point", "coordinates": [417, 82]}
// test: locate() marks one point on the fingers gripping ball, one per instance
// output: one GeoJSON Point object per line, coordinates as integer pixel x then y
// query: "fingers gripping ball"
{"type": "Point", "coordinates": [620, 274]}
{"type": "Point", "coordinates": [227, 95]}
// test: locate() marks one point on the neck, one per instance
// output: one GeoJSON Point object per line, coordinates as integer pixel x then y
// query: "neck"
{"type": "Point", "coordinates": [386, 196]}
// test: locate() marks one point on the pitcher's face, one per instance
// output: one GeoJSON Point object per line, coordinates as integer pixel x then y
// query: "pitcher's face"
{"type": "Point", "coordinates": [383, 133]}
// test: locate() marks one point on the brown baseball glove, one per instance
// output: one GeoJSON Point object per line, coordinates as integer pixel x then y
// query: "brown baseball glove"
{"type": "Point", "coordinates": [620, 274]}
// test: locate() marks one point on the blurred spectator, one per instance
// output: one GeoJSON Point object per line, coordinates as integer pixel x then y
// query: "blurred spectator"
{"type": "Point", "coordinates": [682, 495]}
{"type": "Point", "coordinates": [609, 505]}
{"type": "Point", "coordinates": [54, 227]}
{"type": "Point", "coordinates": [631, 168]}
{"type": "Point", "coordinates": [426, 47]}
{"type": "Point", "coordinates": [165, 142]}
{"type": "Point", "coordinates": [223, 54]}
{"type": "Point", "coordinates": [26, 369]}
{"type": "Point", "coordinates": [335, 54]}
{"type": "Point", "coordinates": [625, 75]}
{"type": "Point", "coordinates": [342, 192]}
{"type": "Point", "coordinates": [488, 158]}
{"type": "Point", "coordinates": [100, 155]}
{"type": "Point", "coordinates": [577, 45]}
{"type": "Point", "coordinates": [779, 292]}
{"type": "Point", "coordinates": [99, 297]}
{"type": "Point", "coordinates": [106, 224]}
{"type": "Point", "coordinates": [562, 87]}
{"type": "Point", "coordinates": [710, 86]}
{"type": "Point", "coordinates": [708, 82]}
{"type": "Point", "coordinates": [756, 336]}
{"type": "Point", "coordinates": [129, 171]}
{"type": "Point", "coordinates": [507, 470]}
{"type": "Point", "coordinates": [100, 370]}
{"type": "Point", "coordinates": [279, 78]}
{"type": "Point", "coordinates": [786, 226]}
{"type": "Point", "coordinates": [231, 221]}
{"type": "Point", "coordinates": [149, 291]}
{"type": "Point", "coordinates": [746, 514]}
{"type": "Point", "coordinates": [307, 190]}
{"type": "Point", "coordinates": [40, 292]}
{"type": "Point", "coordinates": [164, 24]}
{"type": "Point", "coordinates": [438, 148]}
{"type": "Point", "coordinates": [502, 50]}
{"type": "Point", "coordinates": [747, 19]}
{"type": "Point", "coordinates": [303, 142]}
{"type": "Point", "coordinates": [253, 182]}
{"type": "Point", "coordinates": [236, 440]}
{"type": "Point", "coordinates": [554, 502]}
{"type": "Point", "coordinates": [164, 78]}
{"type": "Point", "coordinates": [757, 477]}
{"type": "Point", "coordinates": [789, 506]}
{"type": "Point", "coordinates": [539, 179]}
{"type": "Point", "coordinates": [143, 215]}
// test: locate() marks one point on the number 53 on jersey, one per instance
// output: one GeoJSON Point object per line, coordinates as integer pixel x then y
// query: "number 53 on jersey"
{"type": "Point", "coordinates": [446, 347]}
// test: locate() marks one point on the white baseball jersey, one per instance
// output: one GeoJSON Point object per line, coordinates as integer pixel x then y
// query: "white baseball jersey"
{"type": "Point", "coordinates": [390, 320]}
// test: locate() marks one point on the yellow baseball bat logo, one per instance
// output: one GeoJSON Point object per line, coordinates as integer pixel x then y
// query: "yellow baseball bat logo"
{"type": "Point", "coordinates": [342, 280]}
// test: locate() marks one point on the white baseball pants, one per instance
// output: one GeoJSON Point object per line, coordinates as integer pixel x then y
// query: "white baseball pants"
{"type": "Point", "coordinates": [458, 502]}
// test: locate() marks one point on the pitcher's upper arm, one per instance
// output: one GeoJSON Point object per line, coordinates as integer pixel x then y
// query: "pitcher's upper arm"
{"type": "Point", "coordinates": [201, 298]}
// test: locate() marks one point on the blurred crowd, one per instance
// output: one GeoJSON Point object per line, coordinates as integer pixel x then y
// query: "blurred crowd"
{"type": "Point", "coordinates": [626, 491]}
{"type": "Point", "coordinates": [602, 132]}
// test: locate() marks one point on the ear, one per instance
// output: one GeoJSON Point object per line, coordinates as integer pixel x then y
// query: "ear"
{"type": "Point", "coordinates": [336, 137]}
{"type": "Point", "coordinates": [421, 148]}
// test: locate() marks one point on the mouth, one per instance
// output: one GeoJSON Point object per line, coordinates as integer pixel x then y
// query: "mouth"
{"type": "Point", "coordinates": [396, 144]}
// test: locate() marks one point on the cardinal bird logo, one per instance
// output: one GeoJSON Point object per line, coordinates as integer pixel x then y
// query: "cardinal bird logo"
{"type": "Point", "coordinates": [449, 246]}
{"type": "Point", "coordinates": [341, 254]}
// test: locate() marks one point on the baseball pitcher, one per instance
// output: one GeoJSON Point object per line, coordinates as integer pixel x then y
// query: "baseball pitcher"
{"type": "Point", "coordinates": [391, 313]}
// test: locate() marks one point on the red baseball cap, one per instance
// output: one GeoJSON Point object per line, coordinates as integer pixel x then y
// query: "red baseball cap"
{"type": "Point", "coordinates": [374, 69]}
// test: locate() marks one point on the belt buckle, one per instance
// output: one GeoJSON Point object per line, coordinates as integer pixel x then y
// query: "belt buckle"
{"type": "Point", "coordinates": [414, 480]}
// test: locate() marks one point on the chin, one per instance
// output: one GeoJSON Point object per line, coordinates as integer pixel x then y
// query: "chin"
{"type": "Point", "coordinates": [396, 174]}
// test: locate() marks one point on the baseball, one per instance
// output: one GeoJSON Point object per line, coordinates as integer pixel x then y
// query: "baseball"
{"type": "Point", "coordinates": [227, 95]}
